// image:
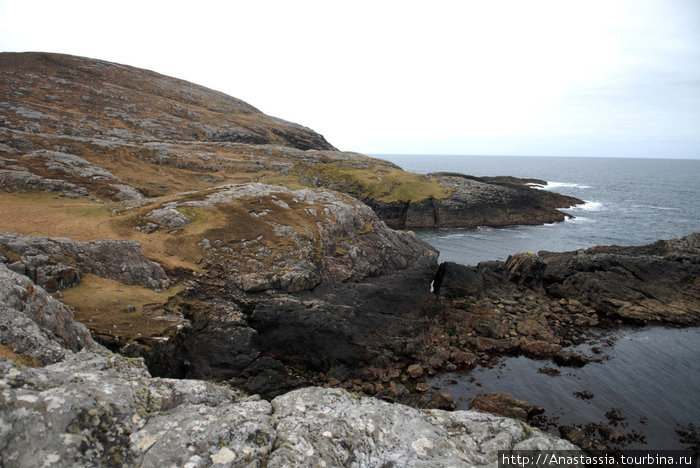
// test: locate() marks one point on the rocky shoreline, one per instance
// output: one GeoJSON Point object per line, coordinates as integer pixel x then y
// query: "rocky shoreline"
{"type": "Point", "coordinates": [155, 232]}
{"type": "Point", "coordinates": [71, 402]}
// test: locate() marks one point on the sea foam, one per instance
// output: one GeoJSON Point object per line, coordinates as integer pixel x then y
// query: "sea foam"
{"type": "Point", "coordinates": [588, 206]}
{"type": "Point", "coordinates": [554, 185]}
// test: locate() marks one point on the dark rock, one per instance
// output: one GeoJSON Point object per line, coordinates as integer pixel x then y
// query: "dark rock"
{"type": "Point", "coordinates": [476, 202]}
{"type": "Point", "coordinates": [503, 404]}
{"type": "Point", "coordinates": [653, 283]}
{"type": "Point", "coordinates": [538, 304]}
{"type": "Point", "coordinates": [455, 280]}
{"type": "Point", "coordinates": [444, 400]}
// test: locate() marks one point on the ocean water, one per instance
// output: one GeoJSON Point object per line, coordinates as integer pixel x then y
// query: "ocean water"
{"type": "Point", "coordinates": [651, 376]}
{"type": "Point", "coordinates": [627, 202]}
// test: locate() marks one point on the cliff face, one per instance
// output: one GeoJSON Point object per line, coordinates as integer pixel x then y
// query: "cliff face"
{"type": "Point", "coordinates": [474, 202]}
{"type": "Point", "coordinates": [67, 401]}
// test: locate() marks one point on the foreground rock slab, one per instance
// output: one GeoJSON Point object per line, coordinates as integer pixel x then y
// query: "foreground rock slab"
{"type": "Point", "coordinates": [332, 428]}
{"type": "Point", "coordinates": [102, 409]}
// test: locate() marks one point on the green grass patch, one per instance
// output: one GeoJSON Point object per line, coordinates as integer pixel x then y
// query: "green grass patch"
{"type": "Point", "coordinates": [378, 183]}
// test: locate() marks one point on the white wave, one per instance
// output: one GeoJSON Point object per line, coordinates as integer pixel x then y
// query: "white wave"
{"type": "Point", "coordinates": [553, 185]}
{"type": "Point", "coordinates": [588, 206]}
{"type": "Point", "coordinates": [578, 219]}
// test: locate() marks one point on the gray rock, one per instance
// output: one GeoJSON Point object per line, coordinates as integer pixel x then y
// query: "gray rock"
{"type": "Point", "coordinates": [15, 180]}
{"type": "Point", "coordinates": [352, 242]}
{"type": "Point", "coordinates": [122, 261]}
{"type": "Point", "coordinates": [34, 323]}
{"type": "Point", "coordinates": [126, 192]}
{"type": "Point", "coordinates": [106, 410]}
{"type": "Point", "coordinates": [101, 409]}
{"type": "Point", "coordinates": [70, 164]}
{"type": "Point", "coordinates": [329, 427]}
{"type": "Point", "coordinates": [169, 217]}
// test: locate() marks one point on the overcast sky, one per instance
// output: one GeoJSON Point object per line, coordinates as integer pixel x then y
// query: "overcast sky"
{"type": "Point", "coordinates": [536, 77]}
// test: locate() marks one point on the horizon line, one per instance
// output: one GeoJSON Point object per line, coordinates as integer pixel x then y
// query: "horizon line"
{"type": "Point", "coordinates": [684, 158]}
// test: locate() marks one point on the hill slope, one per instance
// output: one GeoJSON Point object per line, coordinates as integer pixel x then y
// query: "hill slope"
{"type": "Point", "coordinates": [67, 95]}
{"type": "Point", "coordinates": [121, 133]}
{"type": "Point", "coordinates": [249, 229]}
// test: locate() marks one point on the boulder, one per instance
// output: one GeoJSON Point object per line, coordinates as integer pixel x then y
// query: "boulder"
{"type": "Point", "coordinates": [328, 427]}
{"type": "Point", "coordinates": [42, 259]}
{"type": "Point", "coordinates": [503, 404]}
{"type": "Point", "coordinates": [33, 323]}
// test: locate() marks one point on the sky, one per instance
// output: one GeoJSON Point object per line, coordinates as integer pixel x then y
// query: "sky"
{"type": "Point", "coordinates": [507, 77]}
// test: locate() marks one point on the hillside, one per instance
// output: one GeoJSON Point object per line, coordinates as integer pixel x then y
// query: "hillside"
{"type": "Point", "coordinates": [144, 135]}
{"type": "Point", "coordinates": [184, 229]}
{"type": "Point", "coordinates": [180, 205]}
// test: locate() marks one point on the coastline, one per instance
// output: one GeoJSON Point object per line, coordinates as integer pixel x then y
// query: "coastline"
{"type": "Point", "coordinates": [209, 266]}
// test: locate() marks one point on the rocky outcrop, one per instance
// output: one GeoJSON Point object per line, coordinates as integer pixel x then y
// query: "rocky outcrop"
{"type": "Point", "coordinates": [310, 279]}
{"type": "Point", "coordinates": [317, 427]}
{"type": "Point", "coordinates": [537, 304]}
{"type": "Point", "coordinates": [100, 409]}
{"type": "Point", "coordinates": [106, 410]}
{"type": "Point", "coordinates": [476, 202]}
{"type": "Point", "coordinates": [112, 132]}
{"type": "Point", "coordinates": [292, 240]}
{"type": "Point", "coordinates": [23, 180]}
{"type": "Point", "coordinates": [35, 324]}
{"type": "Point", "coordinates": [56, 263]}
{"type": "Point", "coordinates": [657, 283]}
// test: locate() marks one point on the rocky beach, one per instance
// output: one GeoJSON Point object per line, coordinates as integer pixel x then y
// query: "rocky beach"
{"type": "Point", "coordinates": [186, 280]}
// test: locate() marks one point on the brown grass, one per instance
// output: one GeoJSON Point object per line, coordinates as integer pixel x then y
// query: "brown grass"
{"type": "Point", "coordinates": [48, 214]}
{"type": "Point", "coordinates": [6, 352]}
{"type": "Point", "coordinates": [101, 304]}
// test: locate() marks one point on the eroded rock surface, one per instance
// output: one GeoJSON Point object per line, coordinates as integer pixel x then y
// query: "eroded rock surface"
{"type": "Point", "coordinates": [537, 304]}
{"type": "Point", "coordinates": [316, 426]}
{"type": "Point", "coordinates": [477, 202]}
{"type": "Point", "coordinates": [310, 279]}
{"type": "Point", "coordinates": [33, 323]}
{"type": "Point", "coordinates": [101, 409]}
{"type": "Point", "coordinates": [56, 263]}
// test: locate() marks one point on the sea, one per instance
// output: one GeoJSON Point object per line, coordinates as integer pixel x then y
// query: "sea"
{"type": "Point", "coordinates": [651, 377]}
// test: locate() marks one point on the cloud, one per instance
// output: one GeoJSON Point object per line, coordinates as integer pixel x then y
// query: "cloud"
{"type": "Point", "coordinates": [501, 76]}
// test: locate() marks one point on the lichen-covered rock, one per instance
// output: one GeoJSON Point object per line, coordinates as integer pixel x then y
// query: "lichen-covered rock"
{"type": "Point", "coordinates": [101, 409]}
{"type": "Point", "coordinates": [126, 193]}
{"type": "Point", "coordinates": [69, 164]}
{"type": "Point", "coordinates": [44, 260]}
{"type": "Point", "coordinates": [16, 180]}
{"type": "Point", "coordinates": [169, 217]}
{"type": "Point", "coordinates": [35, 324]}
{"type": "Point", "coordinates": [106, 410]}
{"type": "Point", "coordinates": [332, 428]}
{"type": "Point", "coordinates": [293, 240]}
